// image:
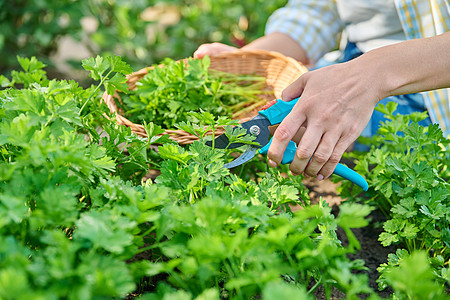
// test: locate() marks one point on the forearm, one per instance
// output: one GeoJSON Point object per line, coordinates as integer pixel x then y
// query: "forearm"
{"type": "Point", "coordinates": [411, 66]}
{"type": "Point", "coordinates": [279, 42]}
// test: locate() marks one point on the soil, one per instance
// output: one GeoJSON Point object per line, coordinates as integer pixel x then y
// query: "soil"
{"type": "Point", "coordinates": [372, 252]}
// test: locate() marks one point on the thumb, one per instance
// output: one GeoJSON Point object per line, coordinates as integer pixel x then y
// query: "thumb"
{"type": "Point", "coordinates": [295, 89]}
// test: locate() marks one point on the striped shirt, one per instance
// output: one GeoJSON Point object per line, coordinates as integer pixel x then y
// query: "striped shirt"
{"type": "Point", "coordinates": [317, 26]}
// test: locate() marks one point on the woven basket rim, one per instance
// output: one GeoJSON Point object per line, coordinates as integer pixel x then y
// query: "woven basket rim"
{"type": "Point", "coordinates": [181, 136]}
{"type": "Point", "coordinates": [239, 53]}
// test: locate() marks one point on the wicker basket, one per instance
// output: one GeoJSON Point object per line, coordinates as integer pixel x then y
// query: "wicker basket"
{"type": "Point", "coordinates": [279, 71]}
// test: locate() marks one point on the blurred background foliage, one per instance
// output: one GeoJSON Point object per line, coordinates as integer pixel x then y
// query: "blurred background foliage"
{"type": "Point", "coordinates": [143, 32]}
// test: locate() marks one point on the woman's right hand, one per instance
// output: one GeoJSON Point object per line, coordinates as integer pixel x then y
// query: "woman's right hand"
{"type": "Point", "coordinates": [213, 49]}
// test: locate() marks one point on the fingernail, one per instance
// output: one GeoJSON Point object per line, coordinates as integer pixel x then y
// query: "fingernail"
{"type": "Point", "coordinates": [272, 163]}
{"type": "Point", "coordinates": [320, 177]}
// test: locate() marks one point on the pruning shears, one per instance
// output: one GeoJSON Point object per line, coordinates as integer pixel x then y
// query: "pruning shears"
{"type": "Point", "coordinates": [273, 113]}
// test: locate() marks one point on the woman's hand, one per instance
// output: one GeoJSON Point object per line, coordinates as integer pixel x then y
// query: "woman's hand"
{"type": "Point", "coordinates": [336, 102]}
{"type": "Point", "coordinates": [335, 105]}
{"type": "Point", "coordinates": [213, 49]}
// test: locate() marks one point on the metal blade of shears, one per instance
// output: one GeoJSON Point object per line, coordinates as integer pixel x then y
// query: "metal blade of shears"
{"type": "Point", "coordinates": [245, 157]}
{"type": "Point", "coordinates": [258, 126]}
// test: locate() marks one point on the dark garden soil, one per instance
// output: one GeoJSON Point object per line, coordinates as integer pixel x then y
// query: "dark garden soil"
{"type": "Point", "coordinates": [372, 252]}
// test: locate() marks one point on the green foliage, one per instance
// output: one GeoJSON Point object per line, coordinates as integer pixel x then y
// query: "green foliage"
{"type": "Point", "coordinates": [32, 73]}
{"type": "Point", "coordinates": [34, 27]}
{"type": "Point", "coordinates": [240, 255]}
{"type": "Point", "coordinates": [51, 176]}
{"type": "Point", "coordinates": [144, 32]}
{"type": "Point", "coordinates": [410, 276]}
{"type": "Point", "coordinates": [102, 69]}
{"type": "Point", "coordinates": [407, 172]}
{"type": "Point", "coordinates": [79, 221]}
{"type": "Point", "coordinates": [230, 21]}
{"type": "Point", "coordinates": [172, 89]}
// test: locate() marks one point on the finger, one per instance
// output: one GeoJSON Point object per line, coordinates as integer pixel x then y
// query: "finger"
{"type": "Point", "coordinates": [288, 128]}
{"type": "Point", "coordinates": [199, 55]}
{"type": "Point", "coordinates": [305, 150]}
{"type": "Point", "coordinates": [212, 49]}
{"type": "Point", "coordinates": [284, 133]}
{"type": "Point", "coordinates": [298, 136]}
{"type": "Point", "coordinates": [322, 154]}
{"type": "Point", "coordinates": [201, 51]}
{"type": "Point", "coordinates": [334, 159]}
{"type": "Point", "coordinates": [207, 49]}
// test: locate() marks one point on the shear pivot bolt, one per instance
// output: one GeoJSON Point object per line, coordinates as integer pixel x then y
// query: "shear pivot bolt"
{"type": "Point", "coordinates": [255, 130]}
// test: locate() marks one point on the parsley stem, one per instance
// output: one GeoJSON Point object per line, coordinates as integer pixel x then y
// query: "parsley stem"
{"type": "Point", "coordinates": [3, 153]}
{"type": "Point", "coordinates": [315, 286]}
{"type": "Point", "coordinates": [229, 270]}
{"type": "Point", "coordinates": [96, 89]}
{"type": "Point", "coordinates": [213, 136]}
{"type": "Point", "coordinates": [148, 248]}
{"type": "Point", "coordinates": [240, 172]}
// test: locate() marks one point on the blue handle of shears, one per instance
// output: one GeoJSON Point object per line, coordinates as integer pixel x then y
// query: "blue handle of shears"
{"type": "Point", "coordinates": [340, 170]}
{"type": "Point", "coordinates": [278, 111]}
{"type": "Point", "coordinates": [276, 114]}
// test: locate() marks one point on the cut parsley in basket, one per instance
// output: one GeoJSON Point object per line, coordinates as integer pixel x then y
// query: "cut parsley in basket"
{"type": "Point", "coordinates": [168, 91]}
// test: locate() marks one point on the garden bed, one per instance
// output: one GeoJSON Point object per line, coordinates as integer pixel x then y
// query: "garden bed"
{"type": "Point", "coordinates": [90, 210]}
{"type": "Point", "coordinates": [372, 252]}
{"type": "Point", "coordinates": [78, 220]}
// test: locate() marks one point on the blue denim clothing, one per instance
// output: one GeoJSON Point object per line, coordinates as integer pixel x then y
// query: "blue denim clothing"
{"type": "Point", "coordinates": [406, 104]}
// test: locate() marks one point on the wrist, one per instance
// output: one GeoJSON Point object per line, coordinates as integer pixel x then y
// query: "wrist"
{"type": "Point", "coordinates": [382, 72]}
{"type": "Point", "coordinates": [370, 73]}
